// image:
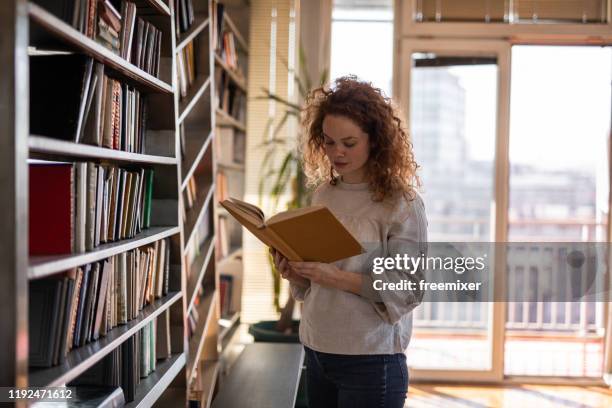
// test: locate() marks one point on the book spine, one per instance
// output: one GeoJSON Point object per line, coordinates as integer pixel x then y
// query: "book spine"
{"type": "Point", "coordinates": [91, 206]}
{"type": "Point", "coordinates": [122, 301]}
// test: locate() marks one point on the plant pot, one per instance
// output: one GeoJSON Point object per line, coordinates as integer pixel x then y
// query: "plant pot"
{"type": "Point", "coordinates": [264, 331]}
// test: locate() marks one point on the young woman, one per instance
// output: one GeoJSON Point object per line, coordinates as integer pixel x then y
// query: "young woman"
{"type": "Point", "coordinates": [360, 157]}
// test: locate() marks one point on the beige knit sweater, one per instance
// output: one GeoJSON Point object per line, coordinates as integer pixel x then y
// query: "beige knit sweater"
{"type": "Point", "coordinates": [375, 322]}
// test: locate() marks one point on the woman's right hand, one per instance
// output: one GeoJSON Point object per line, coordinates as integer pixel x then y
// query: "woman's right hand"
{"type": "Point", "coordinates": [286, 272]}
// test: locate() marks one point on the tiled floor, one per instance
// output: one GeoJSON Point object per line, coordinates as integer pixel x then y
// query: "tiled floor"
{"type": "Point", "coordinates": [520, 396]}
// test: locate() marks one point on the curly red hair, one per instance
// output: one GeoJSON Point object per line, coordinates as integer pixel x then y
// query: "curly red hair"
{"type": "Point", "coordinates": [391, 167]}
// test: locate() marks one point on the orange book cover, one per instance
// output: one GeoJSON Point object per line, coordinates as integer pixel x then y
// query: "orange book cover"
{"type": "Point", "coordinates": [311, 234]}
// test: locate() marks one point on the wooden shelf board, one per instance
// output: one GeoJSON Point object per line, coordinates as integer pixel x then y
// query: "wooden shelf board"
{"type": "Point", "coordinates": [199, 269]}
{"type": "Point", "coordinates": [158, 5]}
{"type": "Point", "coordinates": [239, 81]}
{"type": "Point", "coordinates": [196, 343]}
{"type": "Point", "coordinates": [199, 210]}
{"type": "Point", "coordinates": [227, 120]}
{"type": "Point", "coordinates": [246, 386]}
{"type": "Point", "coordinates": [209, 370]}
{"type": "Point", "coordinates": [151, 388]}
{"type": "Point", "coordinates": [200, 22]}
{"type": "Point", "coordinates": [48, 145]}
{"type": "Point", "coordinates": [80, 359]}
{"type": "Point", "coordinates": [233, 251]}
{"type": "Point", "coordinates": [243, 43]}
{"type": "Point", "coordinates": [194, 94]}
{"type": "Point", "coordinates": [40, 266]}
{"type": "Point", "coordinates": [231, 166]}
{"type": "Point", "coordinates": [141, 79]}
{"type": "Point", "coordinates": [227, 324]}
{"type": "Point", "coordinates": [193, 163]}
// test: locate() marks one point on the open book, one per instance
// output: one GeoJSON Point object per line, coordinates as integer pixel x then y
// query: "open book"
{"type": "Point", "coordinates": [310, 234]}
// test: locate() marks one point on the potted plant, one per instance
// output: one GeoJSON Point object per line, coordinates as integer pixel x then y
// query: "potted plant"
{"type": "Point", "coordinates": [288, 176]}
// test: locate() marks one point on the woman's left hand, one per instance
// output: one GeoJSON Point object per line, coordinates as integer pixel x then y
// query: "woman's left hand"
{"type": "Point", "coordinates": [324, 274]}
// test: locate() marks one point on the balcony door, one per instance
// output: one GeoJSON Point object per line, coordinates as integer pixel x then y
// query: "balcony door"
{"type": "Point", "coordinates": [559, 193]}
{"type": "Point", "coordinates": [456, 95]}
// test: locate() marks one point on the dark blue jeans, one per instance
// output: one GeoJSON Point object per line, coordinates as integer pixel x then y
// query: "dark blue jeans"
{"type": "Point", "coordinates": [355, 381]}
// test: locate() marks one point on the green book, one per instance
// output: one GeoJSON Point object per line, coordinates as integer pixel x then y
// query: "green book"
{"type": "Point", "coordinates": [148, 198]}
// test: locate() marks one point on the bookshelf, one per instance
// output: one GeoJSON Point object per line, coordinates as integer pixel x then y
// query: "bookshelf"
{"type": "Point", "coordinates": [30, 28]}
{"type": "Point", "coordinates": [203, 75]}
{"type": "Point", "coordinates": [181, 147]}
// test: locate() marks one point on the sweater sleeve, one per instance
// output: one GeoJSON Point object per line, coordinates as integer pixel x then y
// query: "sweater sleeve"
{"type": "Point", "coordinates": [407, 236]}
{"type": "Point", "coordinates": [298, 292]}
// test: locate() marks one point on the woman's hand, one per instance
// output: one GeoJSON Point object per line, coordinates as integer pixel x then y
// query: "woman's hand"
{"type": "Point", "coordinates": [324, 274]}
{"type": "Point", "coordinates": [329, 275]}
{"type": "Point", "coordinates": [286, 272]}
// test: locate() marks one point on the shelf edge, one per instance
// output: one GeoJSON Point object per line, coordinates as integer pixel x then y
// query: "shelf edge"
{"type": "Point", "coordinates": [64, 262]}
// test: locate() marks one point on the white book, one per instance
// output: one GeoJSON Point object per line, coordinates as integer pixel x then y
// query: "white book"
{"type": "Point", "coordinates": [90, 220]}
{"type": "Point", "coordinates": [122, 289]}
{"type": "Point", "coordinates": [80, 206]}
{"type": "Point", "coordinates": [161, 263]}
{"type": "Point", "coordinates": [99, 204]}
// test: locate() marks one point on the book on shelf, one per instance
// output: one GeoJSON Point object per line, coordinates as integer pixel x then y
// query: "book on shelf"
{"type": "Point", "coordinates": [75, 207]}
{"type": "Point", "coordinates": [109, 26]}
{"type": "Point", "coordinates": [127, 365]}
{"type": "Point", "coordinates": [52, 209]}
{"type": "Point", "coordinates": [186, 68]}
{"type": "Point", "coordinates": [96, 109]}
{"type": "Point", "coordinates": [184, 15]}
{"type": "Point", "coordinates": [223, 238]}
{"type": "Point", "coordinates": [229, 97]}
{"type": "Point", "coordinates": [230, 270]}
{"type": "Point", "coordinates": [81, 305]}
{"type": "Point", "coordinates": [80, 14]}
{"type": "Point", "coordinates": [221, 186]}
{"type": "Point", "coordinates": [113, 24]}
{"type": "Point", "coordinates": [202, 232]}
{"type": "Point", "coordinates": [230, 145]}
{"type": "Point", "coordinates": [217, 23]}
{"type": "Point", "coordinates": [163, 343]}
{"type": "Point", "coordinates": [307, 234]}
{"type": "Point", "coordinates": [224, 41]}
{"type": "Point", "coordinates": [194, 316]}
{"type": "Point", "coordinates": [146, 51]}
{"type": "Point", "coordinates": [191, 193]}
{"type": "Point", "coordinates": [226, 284]}
{"type": "Point", "coordinates": [228, 52]}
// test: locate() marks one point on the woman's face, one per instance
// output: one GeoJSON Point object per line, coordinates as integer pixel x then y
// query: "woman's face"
{"type": "Point", "coordinates": [347, 147]}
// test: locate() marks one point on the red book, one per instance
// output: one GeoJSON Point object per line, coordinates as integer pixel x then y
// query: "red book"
{"type": "Point", "coordinates": [109, 14]}
{"type": "Point", "coordinates": [51, 208]}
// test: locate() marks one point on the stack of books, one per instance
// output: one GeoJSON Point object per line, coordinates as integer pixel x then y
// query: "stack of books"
{"type": "Point", "coordinates": [109, 26]}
